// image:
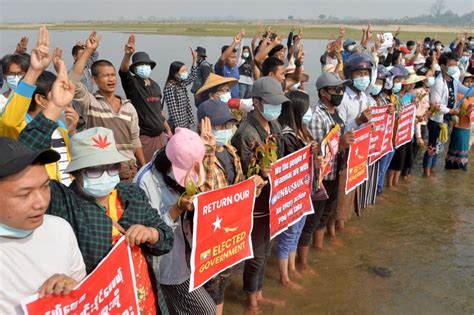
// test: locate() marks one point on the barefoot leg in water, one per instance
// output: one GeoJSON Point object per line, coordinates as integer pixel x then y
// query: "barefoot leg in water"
{"type": "Point", "coordinates": [303, 252]}
{"type": "Point", "coordinates": [292, 266]}
{"type": "Point", "coordinates": [252, 304]}
{"type": "Point", "coordinates": [318, 239]}
{"type": "Point", "coordinates": [285, 278]}
{"type": "Point", "coordinates": [269, 301]}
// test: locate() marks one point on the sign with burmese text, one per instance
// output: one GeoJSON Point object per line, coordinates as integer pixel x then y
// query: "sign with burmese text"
{"type": "Point", "coordinates": [406, 125]}
{"type": "Point", "coordinates": [223, 221]}
{"type": "Point", "coordinates": [290, 190]}
{"type": "Point", "coordinates": [357, 163]}
{"type": "Point", "coordinates": [378, 121]}
{"type": "Point", "coordinates": [109, 289]}
{"type": "Point", "coordinates": [387, 143]}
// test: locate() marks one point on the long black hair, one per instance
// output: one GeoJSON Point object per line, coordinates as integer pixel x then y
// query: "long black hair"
{"type": "Point", "coordinates": [293, 111]}
{"type": "Point", "coordinates": [163, 165]}
{"type": "Point", "coordinates": [175, 66]}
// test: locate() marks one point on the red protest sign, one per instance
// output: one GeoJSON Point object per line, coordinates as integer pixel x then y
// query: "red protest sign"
{"type": "Point", "coordinates": [329, 149]}
{"type": "Point", "coordinates": [379, 118]}
{"type": "Point", "coordinates": [290, 190]}
{"type": "Point", "coordinates": [223, 221]}
{"type": "Point", "coordinates": [387, 145]}
{"type": "Point", "coordinates": [357, 166]}
{"type": "Point", "coordinates": [109, 289]}
{"type": "Point", "coordinates": [406, 125]}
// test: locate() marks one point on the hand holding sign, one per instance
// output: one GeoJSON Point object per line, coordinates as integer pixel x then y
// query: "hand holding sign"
{"type": "Point", "coordinates": [57, 284]}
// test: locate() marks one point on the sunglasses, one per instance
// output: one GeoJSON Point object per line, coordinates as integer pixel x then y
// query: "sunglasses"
{"type": "Point", "coordinates": [96, 172]}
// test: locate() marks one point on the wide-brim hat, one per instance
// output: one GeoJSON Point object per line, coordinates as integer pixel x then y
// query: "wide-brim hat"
{"type": "Point", "coordinates": [141, 57]}
{"type": "Point", "coordinates": [93, 147]}
{"type": "Point", "coordinates": [184, 149]}
{"type": "Point", "coordinates": [215, 80]}
{"type": "Point", "coordinates": [291, 69]}
{"type": "Point", "coordinates": [414, 78]}
{"type": "Point", "coordinates": [201, 51]}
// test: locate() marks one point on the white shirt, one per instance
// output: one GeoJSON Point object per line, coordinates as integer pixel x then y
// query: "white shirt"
{"type": "Point", "coordinates": [439, 94]}
{"type": "Point", "coordinates": [26, 263]}
{"type": "Point", "coordinates": [3, 103]}
{"type": "Point", "coordinates": [351, 106]}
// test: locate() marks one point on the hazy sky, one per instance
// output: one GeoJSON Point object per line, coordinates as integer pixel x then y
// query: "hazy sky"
{"type": "Point", "coordinates": [55, 10]}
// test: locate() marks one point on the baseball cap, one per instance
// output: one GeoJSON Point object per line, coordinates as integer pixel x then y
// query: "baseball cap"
{"type": "Point", "coordinates": [329, 79]}
{"type": "Point", "coordinates": [217, 111]}
{"type": "Point", "coordinates": [184, 149]}
{"type": "Point", "coordinates": [16, 156]}
{"type": "Point", "coordinates": [269, 90]}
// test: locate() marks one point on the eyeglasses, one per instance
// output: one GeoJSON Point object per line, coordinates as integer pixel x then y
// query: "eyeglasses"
{"type": "Point", "coordinates": [96, 172]}
{"type": "Point", "coordinates": [337, 89]}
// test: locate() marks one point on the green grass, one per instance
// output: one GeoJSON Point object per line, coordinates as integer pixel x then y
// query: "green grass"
{"type": "Point", "coordinates": [230, 29]}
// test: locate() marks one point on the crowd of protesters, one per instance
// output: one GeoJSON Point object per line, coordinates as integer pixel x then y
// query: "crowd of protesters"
{"type": "Point", "coordinates": [81, 166]}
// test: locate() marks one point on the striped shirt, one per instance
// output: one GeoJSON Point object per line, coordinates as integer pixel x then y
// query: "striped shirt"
{"type": "Point", "coordinates": [100, 113]}
{"type": "Point", "coordinates": [58, 145]}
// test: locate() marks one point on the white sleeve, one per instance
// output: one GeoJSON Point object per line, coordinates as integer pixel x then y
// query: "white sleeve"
{"type": "Point", "coordinates": [77, 268]}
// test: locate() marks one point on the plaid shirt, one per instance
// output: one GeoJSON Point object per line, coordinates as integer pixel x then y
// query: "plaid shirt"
{"type": "Point", "coordinates": [93, 228]}
{"type": "Point", "coordinates": [176, 97]}
{"type": "Point", "coordinates": [215, 175]}
{"type": "Point", "coordinates": [319, 126]}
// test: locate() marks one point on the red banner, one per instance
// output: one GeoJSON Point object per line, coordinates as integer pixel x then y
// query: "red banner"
{"type": "Point", "coordinates": [357, 163]}
{"type": "Point", "coordinates": [406, 125]}
{"type": "Point", "coordinates": [379, 118]}
{"type": "Point", "coordinates": [387, 144]}
{"type": "Point", "coordinates": [290, 190]}
{"type": "Point", "coordinates": [329, 149]}
{"type": "Point", "coordinates": [223, 221]}
{"type": "Point", "coordinates": [109, 289]}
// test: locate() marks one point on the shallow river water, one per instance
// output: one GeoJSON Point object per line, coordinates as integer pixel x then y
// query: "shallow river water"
{"type": "Point", "coordinates": [415, 256]}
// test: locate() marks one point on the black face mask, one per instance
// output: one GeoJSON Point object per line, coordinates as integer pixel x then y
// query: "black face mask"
{"type": "Point", "coordinates": [336, 99]}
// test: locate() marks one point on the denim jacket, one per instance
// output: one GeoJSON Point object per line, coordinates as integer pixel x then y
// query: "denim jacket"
{"type": "Point", "coordinates": [172, 268]}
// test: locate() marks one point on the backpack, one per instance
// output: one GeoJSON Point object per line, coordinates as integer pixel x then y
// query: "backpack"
{"type": "Point", "coordinates": [199, 81]}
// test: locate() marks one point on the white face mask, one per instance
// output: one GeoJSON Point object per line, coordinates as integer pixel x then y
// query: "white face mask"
{"type": "Point", "coordinates": [431, 81]}
{"type": "Point", "coordinates": [307, 116]}
{"type": "Point", "coordinates": [245, 54]}
{"type": "Point", "coordinates": [13, 81]}
{"type": "Point", "coordinates": [225, 97]}
{"type": "Point", "coordinates": [223, 136]}
{"type": "Point", "coordinates": [102, 186]}
{"type": "Point", "coordinates": [295, 87]}
{"type": "Point", "coordinates": [350, 48]}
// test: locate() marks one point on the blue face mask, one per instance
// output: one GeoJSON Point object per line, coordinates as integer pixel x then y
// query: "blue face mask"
{"type": "Point", "coordinates": [271, 112]}
{"type": "Point", "coordinates": [183, 76]}
{"type": "Point", "coordinates": [307, 116]}
{"type": "Point", "coordinates": [452, 71]}
{"type": "Point", "coordinates": [361, 83]}
{"type": "Point", "coordinates": [464, 59]}
{"type": "Point", "coordinates": [376, 89]}
{"type": "Point", "coordinates": [8, 231]}
{"type": "Point", "coordinates": [431, 81]}
{"type": "Point", "coordinates": [13, 81]}
{"type": "Point", "coordinates": [143, 71]}
{"type": "Point", "coordinates": [397, 87]}
{"type": "Point", "coordinates": [102, 186]}
{"type": "Point", "coordinates": [222, 136]}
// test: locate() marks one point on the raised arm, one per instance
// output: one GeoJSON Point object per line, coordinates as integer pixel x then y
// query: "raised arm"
{"type": "Point", "coordinates": [92, 44]}
{"type": "Point", "coordinates": [128, 52]}
{"type": "Point", "coordinates": [236, 41]}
